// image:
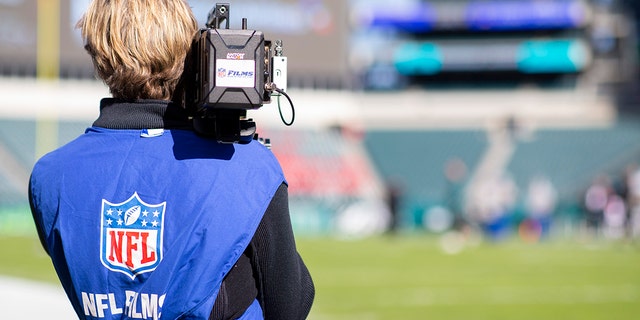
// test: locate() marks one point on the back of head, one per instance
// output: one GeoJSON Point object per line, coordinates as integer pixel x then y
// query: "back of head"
{"type": "Point", "coordinates": [138, 47]}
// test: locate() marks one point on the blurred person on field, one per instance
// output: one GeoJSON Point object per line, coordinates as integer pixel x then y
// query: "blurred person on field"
{"type": "Point", "coordinates": [145, 219]}
{"type": "Point", "coordinates": [614, 216]}
{"type": "Point", "coordinates": [494, 205]}
{"type": "Point", "coordinates": [455, 171]}
{"type": "Point", "coordinates": [595, 203]}
{"type": "Point", "coordinates": [541, 203]}
{"type": "Point", "coordinates": [632, 196]}
{"type": "Point", "coordinates": [393, 199]}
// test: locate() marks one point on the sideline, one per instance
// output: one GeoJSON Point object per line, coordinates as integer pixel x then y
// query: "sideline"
{"type": "Point", "coordinates": [25, 299]}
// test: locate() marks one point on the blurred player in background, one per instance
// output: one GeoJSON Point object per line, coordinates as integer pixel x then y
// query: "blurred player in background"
{"type": "Point", "coordinates": [142, 218]}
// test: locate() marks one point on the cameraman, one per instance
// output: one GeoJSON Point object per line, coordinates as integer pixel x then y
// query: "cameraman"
{"type": "Point", "coordinates": [143, 218]}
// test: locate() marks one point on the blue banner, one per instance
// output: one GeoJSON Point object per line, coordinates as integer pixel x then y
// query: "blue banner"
{"type": "Point", "coordinates": [479, 16]}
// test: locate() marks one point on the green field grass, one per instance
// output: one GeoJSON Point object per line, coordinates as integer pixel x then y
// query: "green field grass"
{"type": "Point", "coordinates": [410, 277]}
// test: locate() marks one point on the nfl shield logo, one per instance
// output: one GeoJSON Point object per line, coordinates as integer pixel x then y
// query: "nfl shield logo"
{"type": "Point", "coordinates": [222, 72]}
{"type": "Point", "coordinates": [131, 235]}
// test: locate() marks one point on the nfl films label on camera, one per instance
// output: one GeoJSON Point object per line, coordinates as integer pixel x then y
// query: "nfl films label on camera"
{"type": "Point", "coordinates": [235, 73]}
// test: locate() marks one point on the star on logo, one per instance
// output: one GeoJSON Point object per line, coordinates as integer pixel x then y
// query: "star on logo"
{"type": "Point", "coordinates": [154, 223]}
{"type": "Point", "coordinates": [144, 223]}
{"type": "Point", "coordinates": [120, 222]}
{"type": "Point", "coordinates": [119, 212]}
{"type": "Point", "coordinates": [110, 211]}
{"type": "Point", "coordinates": [156, 214]}
{"type": "Point", "coordinates": [145, 213]}
{"type": "Point", "coordinates": [109, 221]}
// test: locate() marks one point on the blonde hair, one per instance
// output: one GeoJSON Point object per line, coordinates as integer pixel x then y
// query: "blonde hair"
{"type": "Point", "coordinates": [138, 47]}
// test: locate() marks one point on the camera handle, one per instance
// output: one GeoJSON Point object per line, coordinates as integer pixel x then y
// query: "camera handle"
{"type": "Point", "coordinates": [217, 15]}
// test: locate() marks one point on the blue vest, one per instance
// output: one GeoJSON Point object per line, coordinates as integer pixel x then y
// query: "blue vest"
{"type": "Point", "coordinates": [145, 224]}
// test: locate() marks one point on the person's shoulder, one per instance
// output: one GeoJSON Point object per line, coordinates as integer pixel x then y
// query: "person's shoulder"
{"type": "Point", "coordinates": [49, 167]}
{"type": "Point", "coordinates": [257, 148]}
{"type": "Point", "coordinates": [260, 155]}
{"type": "Point", "coordinates": [63, 154]}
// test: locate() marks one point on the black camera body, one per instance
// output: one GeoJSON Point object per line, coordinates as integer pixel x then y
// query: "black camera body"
{"type": "Point", "coordinates": [227, 73]}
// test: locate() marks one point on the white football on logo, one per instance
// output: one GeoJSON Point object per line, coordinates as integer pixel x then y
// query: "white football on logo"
{"type": "Point", "coordinates": [131, 216]}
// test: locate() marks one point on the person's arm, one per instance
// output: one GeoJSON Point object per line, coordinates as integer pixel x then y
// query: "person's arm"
{"type": "Point", "coordinates": [37, 219]}
{"type": "Point", "coordinates": [285, 285]}
{"type": "Point", "coordinates": [56, 253]}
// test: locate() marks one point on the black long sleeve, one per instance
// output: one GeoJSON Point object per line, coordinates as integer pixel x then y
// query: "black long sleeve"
{"type": "Point", "coordinates": [270, 269]}
{"type": "Point", "coordinates": [284, 282]}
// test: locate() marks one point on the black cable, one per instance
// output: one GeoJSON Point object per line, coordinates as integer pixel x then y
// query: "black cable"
{"type": "Point", "coordinates": [293, 110]}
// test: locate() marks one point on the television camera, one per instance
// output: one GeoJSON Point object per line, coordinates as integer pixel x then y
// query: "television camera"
{"type": "Point", "coordinates": [229, 72]}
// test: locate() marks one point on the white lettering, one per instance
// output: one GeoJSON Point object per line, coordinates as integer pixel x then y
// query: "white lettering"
{"type": "Point", "coordinates": [100, 305]}
{"type": "Point", "coordinates": [150, 306]}
{"type": "Point", "coordinates": [129, 295]}
{"type": "Point", "coordinates": [133, 310]}
{"type": "Point", "coordinates": [89, 304]}
{"type": "Point", "coordinates": [112, 304]}
{"type": "Point", "coordinates": [235, 56]}
{"type": "Point", "coordinates": [160, 303]}
{"type": "Point", "coordinates": [135, 306]}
